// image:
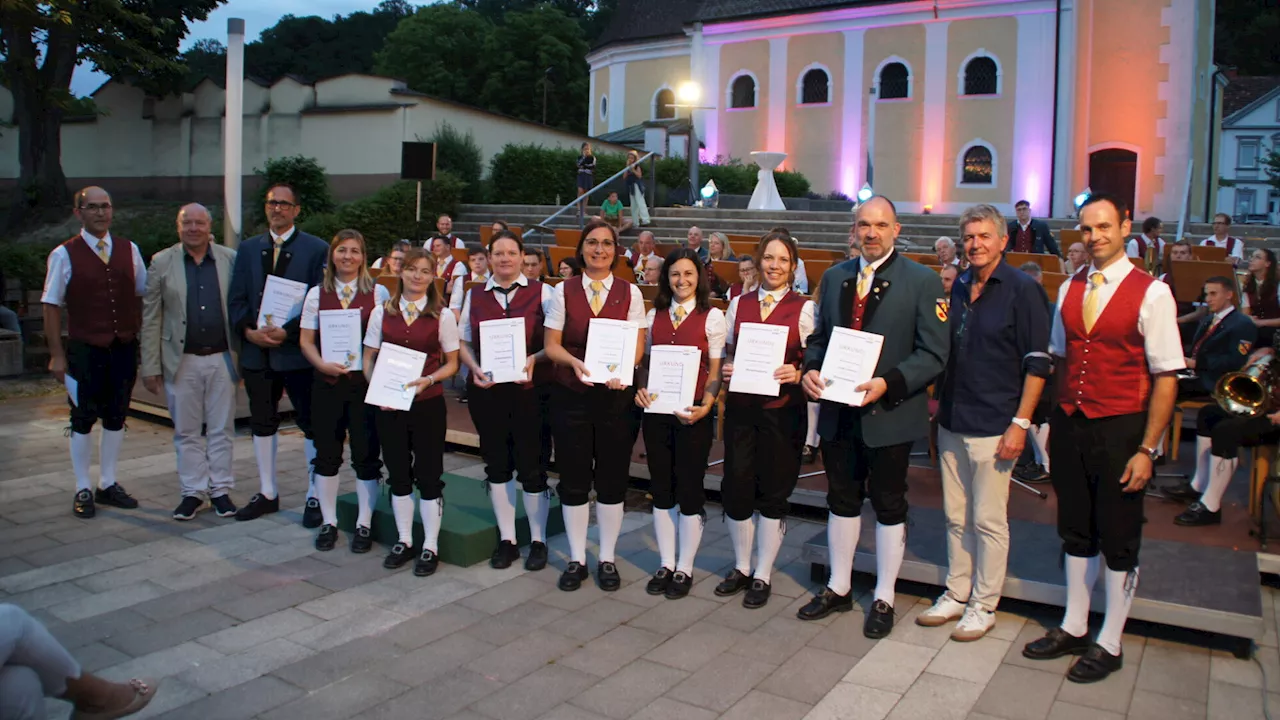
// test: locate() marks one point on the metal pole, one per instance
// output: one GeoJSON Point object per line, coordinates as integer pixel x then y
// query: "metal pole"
{"type": "Point", "coordinates": [233, 125]}
{"type": "Point", "coordinates": [693, 161]}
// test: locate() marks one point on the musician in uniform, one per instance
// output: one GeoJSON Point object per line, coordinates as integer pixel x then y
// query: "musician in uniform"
{"type": "Point", "coordinates": [1221, 341]}
{"type": "Point", "coordinates": [1222, 237]}
{"type": "Point", "coordinates": [1261, 297]}
{"type": "Point", "coordinates": [1149, 246]}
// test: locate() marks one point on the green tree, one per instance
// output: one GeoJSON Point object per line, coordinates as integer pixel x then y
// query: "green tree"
{"type": "Point", "coordinates": [1271, 163]}
{"type": "Point", "coordinates": [459, 154]}
{"type": "Point", "coordinates": [207, 58]}
{"type": "Point", "coordinates": [42, 41]}
{"type": "Point", "coordinates": [1245, 33]}
{"type": "Point", "coordinates": [518, 56]}
{"type": "Point", "coordinates": [439, 50]}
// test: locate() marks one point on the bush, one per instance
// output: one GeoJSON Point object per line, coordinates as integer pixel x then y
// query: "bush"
{"type": "Point", "coordinates": [533, 175]}
{"type": "Point", "coordinates": [24, 263]}
{"type": "Point", "coordinates": [459, 154]}
{"type": "Point", "coordinates": [156, 228]}
{"type": "Point", "coordinates": [305, 175]}
{"type": "Point", "coordinates": [387, 215]}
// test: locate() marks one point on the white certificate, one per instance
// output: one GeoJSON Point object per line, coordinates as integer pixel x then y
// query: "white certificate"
{"type": "Point", "coordinates": [759, 350]}
{"type": "Point", "coordinates": [611, 350]}
{"type": "Point", "coordinates": [850, 361]}
{"type": "Point", "coordinates": [502, 351]}
{"type": "Point", "coordinates": [395, 368]}
{"type": "Point", "coordinates": [340, 338]}
{"type": "Point", "coordinates": [673, 378]}
{"type": "Point", "coordinates": [281, 301]}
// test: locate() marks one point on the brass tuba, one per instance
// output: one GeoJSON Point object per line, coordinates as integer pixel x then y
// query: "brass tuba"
{"type": "Point", "coordinates": [1247, 392]}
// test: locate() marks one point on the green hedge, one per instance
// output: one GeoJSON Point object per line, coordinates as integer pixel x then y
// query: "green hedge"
{"type": "Point", "coordinates": [305, 175]}
{"type": "Point", "coordinates": [387, 215]}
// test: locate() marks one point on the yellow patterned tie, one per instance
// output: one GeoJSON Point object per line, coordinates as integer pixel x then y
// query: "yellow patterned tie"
{"type": "Point", "coordinates": [864, 281]}
{"type": "Point", "coordinates": [346, 296]}
{"type": "Point", "coordinates": [410, 314]}
{"type": "Point", "coordinates": [597, 296]}
{"type": "Point", "coordinates": [1091, 300]}
{"type": "Point", "coordinates": [680, 313]}
{"type": "Point", "coordinates": [766, 307]}
{"type": "Point", "coordinates": [275, 252]}
{"type": "Point", "coordinates": [102, 251]}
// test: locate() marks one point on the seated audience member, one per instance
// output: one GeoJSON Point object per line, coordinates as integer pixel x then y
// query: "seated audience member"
{"type": "Point", "coordinates": [533, 266]}
{"type": "Point", "coordinates": [444, 228]}
{"type": "Point", "coordinates": [1034, 270]}
{"type": "Point", "coordinates": [477, 271]}
{"type": "Point", "coordinates": [643, 250]}
{"type": "Point", "coordinates": [718, 247]}
{"type": "Point", "coordinates": [1261, 300]}
{"type": "Point", "coordinates": [611, 210]}
{"type": "Point", "coordinates": [1221, 343]}
{"type": "Point", "coordinates": [569, 267]}
{"type": "Point", "coordinates": [500, 226]}
{"type": "Point", "coordinates": [1189, 313]}
{"type": "Point", "coordinates": [8, 318]}
{"type": "Point", "coordinates": [949, 275]}
{"type": "Point", "coordinates": [1077, 258]}
{"type": "Point", "coordinates": [390, 263]}
{"type": "Point", "coordinates": [652, 271]}
{"type": "Point", "coordinates": [1222, 237]}
{"type": "Point", "coordinates": [748, 278]}
{"type": "Point", "coordinates": [693, 241]}
{"type": "Point", "coordinates": [945, 249]}
{"type": "Point", "coordinates": [855, 245]}
{"type": "Point", "coordinates": [1149, 246]}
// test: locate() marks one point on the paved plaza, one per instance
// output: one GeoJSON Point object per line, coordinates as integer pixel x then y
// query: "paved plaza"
{"type": "Point", "coordinates": [246, 620]}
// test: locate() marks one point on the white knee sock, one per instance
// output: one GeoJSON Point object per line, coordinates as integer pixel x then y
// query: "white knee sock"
{"type": "Point", "coordinates": [1040, 443]}
{"type": "Point", "coordinates": [309, 451]}
{"type": "Point", "coordinates": [108, 456]}
{"type": "Point", "coordinates": [536, 506]}
{"type": "Point", "coordinates": [664, 527]}
{"type": "Point", "coordinates": [609, 524]}
{"type": "Point", "coordinates": [842, 542]}
{"type": "Point", "coordinates": [367, 496]}
{"type": "Point", "coordinates": [503, 498]}
{"type": "Point", "coordinates": [690, 538]}
{"type": "Point", "coordinates": [1220, 472]}
{"type": "Point", "coordinates": [1204, 447]}
{"type": "Point", "coordinates": [402, 509]}
{"type": "Point", "coordinates": [327, 493]}
{"type": "Point", "coordinates": [265, 450]}
{"type": "Point", "coordinates": [891, 545]}
{"type": "Point", "coordinates": [743, 533]}
{"type": "Point", "coordinates": [1119, 599]}
{"type": "Point", "coordinates": [81, 458]}
{"type": "Point", "coordinates": [1081, 574]}
{"type": "Point", "coordinates": [432, 512]}
{"type": "Point", "coordinates": [768, 542]}
{"type": "Point", "coordinates": [576, 519]}
{"type": "Point", "coordinates": [811, 435]}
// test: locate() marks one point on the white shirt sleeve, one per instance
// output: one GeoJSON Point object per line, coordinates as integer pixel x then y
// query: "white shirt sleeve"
{"type": "Point", "coordinates": [806, 322]}
{"type": "Point", "coordinates": [448, 332]}
{"type": "Point", "coordinates": [139, 272]}
{"type": "Point", "coordinates": [1058, 335]}
{"type": "Point", "coordinates": [1131, 248]}
{"type": "Point", "coordinates": [460, 269]}
{"type": "Point", "coordinates": [57, 276]}
{"type": "Point", "coordinates": [730, 318]}
{"type": "Point", "coordinates": [455, 295]}
{"type": "Point", "coordinates": [554, 308]}
{"type": "Point", "coordinates": [376, 264]}
{"type": "Point", "coordinates": [648, 333]}
{"type": "Point", "coordinates": [311, 310]}
{"type": "Point", "coordinates": [1158, 323]}
{"type": "Point", "coordinates": [635, 313]}
{"type": "Point", "coordinates": [715, 333]}
{"type": "Point", "coordinates": [457, 243]}
{"type": "Point", "coordinates": [381, 294]}
{"type": "Point", "coordinates": [373, 333]}
{"type": "Point", "coordinates": [802, 279]}
{"type": "Point", "coordinates": [464, 320]}
{"type": "Point", "coordinates": [1238, 252]}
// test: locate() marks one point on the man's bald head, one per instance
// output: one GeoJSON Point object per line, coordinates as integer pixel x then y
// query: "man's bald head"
{"type": "Point", "coordinates": [93, 210]}
{"type": "Point", "coordinates": [91, 194]}
{"type": "Point", "coordinates": [877, 228]}
{"type": "Point", "coordinates": [879, 202]}
{"type": "Point", "coordinates": [192, 210]}
{"type": "Point", "coordinates": [195, 227]}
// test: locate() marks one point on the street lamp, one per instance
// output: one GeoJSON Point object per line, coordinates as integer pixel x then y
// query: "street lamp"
{"type": "Point", "coordinates": [687, 96]}
{"type": "Point", "coordinates": [866, 193]}
{"type": "Point", "coordinates": [1081, 199]}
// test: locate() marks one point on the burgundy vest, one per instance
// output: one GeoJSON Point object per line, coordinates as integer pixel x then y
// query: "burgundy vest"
{"type": "Point", "coordinates": [102, 300]}
{"type": "Point", "coordinates": [1024, 241]}
{"type": "Point", "coordinates": [447, 275]}
{"type": "Point", "coordinates": [1212, 241]}
{"type": "Point", "coordinates": [526, 303]}
{"type": "Point", "coordinates": [859, 309]}
{"type": "Point", "coordinates": [786, 313]}
{"type": "Point", "coordinates": [692, 332]}
{"type": "Point", "coordinates": [734, 291]}
{"type": "Point", "coordinates": [1106, 371]}
{"type": "Point", "coordinates": [577, 318]}
{"type": "Point", "coordinates": [1264, 306]}
{"type": "Point", "coordinates": [424, 336]}
{"type": "Point", "coordinates": [364, 302]}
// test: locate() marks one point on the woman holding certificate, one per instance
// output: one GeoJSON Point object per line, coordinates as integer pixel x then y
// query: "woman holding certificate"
{"type": "Point", "coordinates": [334, 317]}
{"type": "Point", "coordinates": [413, 327]}
{"type": "Point", "coordinates": [501, 328]}
{"type": "Point", "coordinates": [589, 320]}
{"type": "Point", "coordinates": [764, 421]}
{"type": "Point", "coordinates": [686, 344]}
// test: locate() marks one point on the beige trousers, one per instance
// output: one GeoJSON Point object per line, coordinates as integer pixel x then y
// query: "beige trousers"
{"type": "Point", "coordinates": [203, 395]}
{"type": "Point", "coordinates": [975, 496]}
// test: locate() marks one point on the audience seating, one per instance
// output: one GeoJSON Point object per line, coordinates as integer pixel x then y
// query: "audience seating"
{"type": "Point", "coordinates": [922, 258]}
{"type": "Point", "coordinates": [486, 232]}
{"type": "Point", "coordinates": [1047, 262]}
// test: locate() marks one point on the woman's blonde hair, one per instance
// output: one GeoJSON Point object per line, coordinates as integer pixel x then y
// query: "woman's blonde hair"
{"type": "Point", "coordinates": [434, 301]}
{"type": "Point", "coordinates": [364, 281]}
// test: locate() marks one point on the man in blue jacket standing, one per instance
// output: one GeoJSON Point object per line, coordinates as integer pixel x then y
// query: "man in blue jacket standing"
{"type": "Point", "coordinates": [271, 360]}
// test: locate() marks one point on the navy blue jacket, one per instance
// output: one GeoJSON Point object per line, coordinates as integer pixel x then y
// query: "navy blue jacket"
{"type": "Point", "coordinates": [1226, 349]}
{"type": "Point", "coordinates": [302, 258]}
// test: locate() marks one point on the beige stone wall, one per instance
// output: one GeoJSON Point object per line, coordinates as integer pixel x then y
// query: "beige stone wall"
{"type": "Point", "coordinates": [898, 123]}
{"type": "Point", "coordinates": [813, 131]}
{"type": "Point", "coordinates": [742, 131]}
{"type": "Point", "coordinates": [989, 118]}
{"type": "Point", "coordinates": [644, 77]}
{"type": "Point", "coordinates": [601, 79]}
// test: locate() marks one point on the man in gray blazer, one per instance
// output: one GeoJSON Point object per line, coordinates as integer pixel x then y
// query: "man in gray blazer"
{"type": "Point", "coordinates": [189, 356]}
{"type": "Point", "coordinates": [867, 448]}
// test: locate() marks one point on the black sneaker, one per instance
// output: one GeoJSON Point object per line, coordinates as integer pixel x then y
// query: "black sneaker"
{"type": "Point", "coordinates": [426, 564]}
{"type": "Point", "coordinates": [537, 559]}
{"type": "Point", "coordinates": [680, 586]}
{"type": "Point", "coordinates": [257, 507]}
{"type": "Point", "coordinates": [1031, 473]}
{"type": "Point", "coordinates": [1197, 515]}
{"type": "Point", "coordinates": [399, 555]}
{"type": "Point", "coordinates": [757, 595]}
{"type": "Point", "coordinates": [503, 555]}
{"type": "Point", "coordinates": [188, 508]}
{"type": "Point", "coordinates": [361, 540]}
{"type": "Point", "coordinates": [327, 538]}
{"type": "Point", "coordinates": [607, 577]}
{"type": "Point", "coordinates": [83, 505]}
{"type": "Point", "coordinates": [733, 583]}
{"type": "Point", "coordinates": [311, 515]}
{"type": "Point", "coordinates": [572, 577]}
{"type": "Point", "coordinates": [116, 497]}
{"type": "Point", "coordinates": [222, 506]}
{"type": "Point", "coordinates": [659, 583]}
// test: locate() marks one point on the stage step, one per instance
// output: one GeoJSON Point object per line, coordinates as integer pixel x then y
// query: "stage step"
{"type": "Point", "coordinates": [1189, 586]}
{"type": "Point", "coordinates": [469, 532]}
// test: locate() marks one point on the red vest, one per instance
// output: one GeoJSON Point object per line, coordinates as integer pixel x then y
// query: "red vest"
{"type": "Point", "coordinates": [859, 309]}
{"type": "Point", "coordinates": [577, 318]}
{"type": "Point", "coordinates": [692, 332]}
{"type": "Point", "coordinates": [1264, 306]}
{"type": "Point", "coordinates": [424, 336]}
{"type": "Point", "coordinates": [734, 291]}
{"type": "Point", "coordinates": [785, 312]}
{"type": "Point", "coordinates": [364, 302]}
{"type": "Point", "coordinates": [526, 303]}
{"type": "Point", "coordinates": [1106, 371]}
{"type": "Point", "coordinates": [447, 275]}
{"type": "Point", "coordinates": [102, 300]}
{"type": "Point", "coordinates": [1212, 241]}
{"type": "Point", "coordinates": [1024, 241]}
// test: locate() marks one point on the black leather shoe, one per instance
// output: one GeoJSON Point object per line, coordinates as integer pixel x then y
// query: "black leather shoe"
{"type": "Point", "coordinates": [188, 508]}
{"type": "Point", "coordinates": [1055, 644]}
{"type": "Point", "coordinates": [311, 515]}
{"type": "Point", "coordinates": [361, 540]}
{"type": "Point", "coordinates": [1182, 491]}
{"type": "Point", "coordinates": [426, 564]}
{"type": "Point", "coordinates": [399, 555]}
{"type": "Point", "coordinates": [757, 595]}
{"type": "Point", "coordinates": [607, 577]}
{"type": "Point", "coordinates": [808, 455]}
{"type": "Point", "coordinates": [537, 559]}
{"type": "Point", "coordinates": [572, 577]}
{"type": "Point", "coordinates": [680, 586]}
{"type": "Point", "coordinates": [1032, 473]}
{"type": "Point", "coordinates": [257, 507]}
{"type": "Point", "coordinates": [879, 622]}
{"type": "Point", "coordinates": [83, 505]}
{"type": "Point", "coordinates": [659, 583]}
{"type": "Point", "coordinates": [825, 603]}
{"type": "Point", "coordinates": [116, 497]}
{"type": "Point", "coordinates": [327, 538]}
{"type": "Point", "coordinates": [503, 555]}
{"type": "Point", "coordinates": [1197, 515]}
{"type": "Point", "coordinates": [1096, 664]}
{"type": "Point", "coordinates": [733, 583]}
{"type": "Point", "coordinates": [222, 506]}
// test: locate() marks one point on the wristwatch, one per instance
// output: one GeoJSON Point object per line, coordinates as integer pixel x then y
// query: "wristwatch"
{"type": "Point", "coordinates": [1149, 452]}
{"type": "Point", "coordinates": [1023, 423]}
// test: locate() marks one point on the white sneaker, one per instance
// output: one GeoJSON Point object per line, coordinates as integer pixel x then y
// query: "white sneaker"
{"type": "Point", "coordinates": [975, 624]}
{"type": "Point", "coordinates": [944, 610]}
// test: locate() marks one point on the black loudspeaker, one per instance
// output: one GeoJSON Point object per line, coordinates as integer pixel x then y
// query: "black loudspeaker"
{"type": "Point", "coordinates": [417, 161]}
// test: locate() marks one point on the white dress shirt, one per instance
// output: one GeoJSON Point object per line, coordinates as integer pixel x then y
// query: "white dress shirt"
{"type": "Point", "coordinates": [464, 322]}
{"type": "Point", "coordinates": [715, 326]}
{"type": "Point", "coordinates": [1236, 252]}
{"type": "Point", "coordinates": [58, 274]}
{"type": "Point", "coordinates": [459, 286]}
{"type": "Point", "coordinates": [806, 314]}
{"type": "Point", "coordinates": [801, 284]}
{"type": "Point", "coordinates": [311, 304]}
{"type": "Point", "coordinates": [449, 341]}
{"type": "Point", "coordinates": [1244, 297]}
{"type": "Point", "coordinates": [1131, 247]}
{"type": "Point", "coordinates": [555, 311]}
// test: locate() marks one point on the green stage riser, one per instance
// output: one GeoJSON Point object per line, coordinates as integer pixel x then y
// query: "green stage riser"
{"type": "Point", "coordinates": [468, 534]}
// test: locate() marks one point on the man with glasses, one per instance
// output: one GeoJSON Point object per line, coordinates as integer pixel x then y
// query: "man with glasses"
{"type": "Point", "coordinates": [1027, 235]}
{"type": "Point", "coordinates": [271, 360]}
{"type": "Point", "coordinates": [1221, 237]}
{"type": "Point", "coordinates": [99, 364]}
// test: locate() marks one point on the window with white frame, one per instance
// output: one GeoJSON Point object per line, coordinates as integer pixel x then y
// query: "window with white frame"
{"type": "Point", "coordinates": [815, 87]}
{"type": "Point", "coordinates": [662, 104]}
{"type": "Point", "coordinates": [1245, 198]}
{"type": "Point", "coordinates": [742, 92]}
{"type": "Point", "coordinates": [981, 76]}
{"type": "Point", "coordinates": [895, 82]}
{"type": "Point", "coordinates": [978, 166]}
{"type": "Point", "coordinates": [1247, 153]}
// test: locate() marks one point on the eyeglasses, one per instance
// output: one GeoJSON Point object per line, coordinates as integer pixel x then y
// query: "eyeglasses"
{"type": "Point", "coordinates": [600, 244]}
{"type": "Point", "coordinates": [277, 204]}
{"type": "Point", "coordinates": [96, 207]}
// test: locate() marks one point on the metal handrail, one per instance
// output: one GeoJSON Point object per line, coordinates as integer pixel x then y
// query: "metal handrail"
{"type": "Point", "coordinates": [541, 227]}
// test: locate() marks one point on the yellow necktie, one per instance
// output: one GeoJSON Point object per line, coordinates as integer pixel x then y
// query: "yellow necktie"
{"type": "Point", "coordinates": [597, 296]}
{"type": "Point", "coordinates": [864, 281]}
{"type": "Point", "coordinates": [346, 296]}
{"type": "Point", "coordinates": [410, 314]}
{"type": "Point", "coordinates": [102, 251]}
{"type": "Point", "coordinates": [680, 313]}
{"type": "Point", "coordinates": [275, 252]}
{"type": "Point", "coordinates": [1091, 300]}
{"type": "Point", "coordinates": [766, 307]}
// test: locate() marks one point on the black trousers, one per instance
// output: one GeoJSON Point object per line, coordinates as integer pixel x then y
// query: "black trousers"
{"type": "Point", "coordinates": [594, 436]}
{"type": "Point", "coordinates": [265, 387]}
{"type": "Point", "coordinates": [413, 447]}
{"type": "Point", "coordinates": [761, 459]}
{"type": "Point", "coordinates": [1229, 432]}
{"type": "Point", "coordinates": [855, 472]}
{"type": "Point", "coordinates": [104, 382]}
{"type": "Point", "coordinates": [509, 422]}
{"type": "Point", "coordinates": [1094, 513]}
{"type": "Point", "coordinates": [677, 457]}
{"type": "Point", "coordinates": [338, 413]}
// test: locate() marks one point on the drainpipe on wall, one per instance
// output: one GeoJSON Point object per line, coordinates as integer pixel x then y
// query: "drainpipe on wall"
{"type": "Point", "coordinates": [1211, 181]}
{"type": "Point", "coordinates": [233, 124]}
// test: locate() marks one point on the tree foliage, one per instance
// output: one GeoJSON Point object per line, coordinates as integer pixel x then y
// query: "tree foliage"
{"type": "Point", "coordinates": [536, 52]}
{"type": "Point", "coordinates": [439, 50]}
{"type": "Point", "coordinates": [458, 154]}
{"type": "Point", "coordinates": [1271, 163]}
{"type": "Point", "coordinates": [305, 176]}
{"type": "Point", "coordinates": [1245, 33]}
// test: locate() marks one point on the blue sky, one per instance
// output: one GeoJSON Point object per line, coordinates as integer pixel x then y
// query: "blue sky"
{"type": "Point", "coordinates": [257, 16]}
